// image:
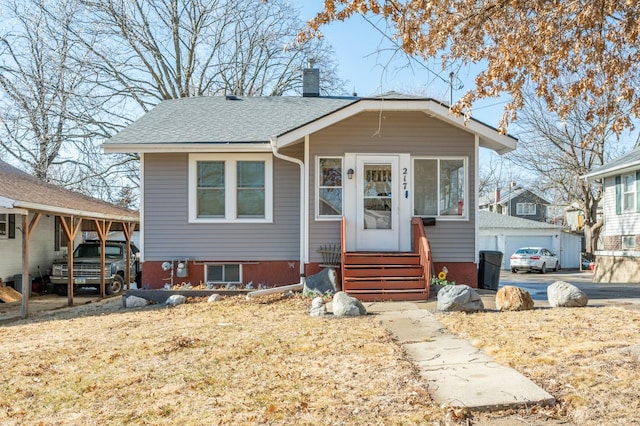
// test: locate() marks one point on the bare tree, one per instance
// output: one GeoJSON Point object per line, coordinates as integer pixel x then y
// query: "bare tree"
{"type": "Point", "coordinates": [569, 52]}
{"type": "Point", "coordinates": [74, 72]}
{"type": "Point", "coordinates": [558, 151]}
{"type": "Point", "coordinates": [149, 51]}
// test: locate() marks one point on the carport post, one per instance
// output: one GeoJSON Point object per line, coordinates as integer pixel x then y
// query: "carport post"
{"type": "Point", "coordinates": [27, 228]}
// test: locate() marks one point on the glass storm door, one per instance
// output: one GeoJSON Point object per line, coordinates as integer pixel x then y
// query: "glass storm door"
{"type": "Point", "coordinates": [377, 211]}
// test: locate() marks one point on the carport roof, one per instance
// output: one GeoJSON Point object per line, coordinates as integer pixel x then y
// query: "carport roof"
{"type": "Point", "coordinates": [20, 190]}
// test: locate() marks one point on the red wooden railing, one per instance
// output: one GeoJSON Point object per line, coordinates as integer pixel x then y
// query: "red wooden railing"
{"type": "Point", "coordinates": [421, 246]}
{"type": "Point", "coordinates": [343, 246]}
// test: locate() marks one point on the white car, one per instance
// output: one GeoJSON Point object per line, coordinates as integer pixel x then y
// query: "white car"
{"type": "Point", "coordinates": [534, 259]}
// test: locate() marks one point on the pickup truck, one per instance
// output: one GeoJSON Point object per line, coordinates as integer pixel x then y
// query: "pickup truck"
{"type": "Point", "coordinates": [86, 267]}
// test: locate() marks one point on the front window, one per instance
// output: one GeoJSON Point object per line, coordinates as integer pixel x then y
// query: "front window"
{"type": "Point", "coordinates": [629, 193]}
{"type": "Point", "coordinates": [225, 187]}
{"type": "Point", "coordinates": [4, 225]}
{"type": "Point", "coordinates": [439, 187]}
{"type": "Point", "coordinates": [526, 209]}
{"type": "Point", "coordinates": [329, 200]}
{"type": "Point", "coordinates": [223, 273]}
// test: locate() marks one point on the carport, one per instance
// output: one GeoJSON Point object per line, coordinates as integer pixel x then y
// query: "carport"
{"type": "Point", "coordinates": [29, 199]}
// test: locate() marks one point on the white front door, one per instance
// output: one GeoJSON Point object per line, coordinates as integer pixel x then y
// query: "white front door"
{"type": "Point", "coordinates": [377, 211]}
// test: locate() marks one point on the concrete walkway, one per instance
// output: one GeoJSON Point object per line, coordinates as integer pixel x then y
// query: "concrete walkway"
{"type": "Point", "coordinates": [457, 374]}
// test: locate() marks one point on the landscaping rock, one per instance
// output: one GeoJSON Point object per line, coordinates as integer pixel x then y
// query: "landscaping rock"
{"type": "Point", "coordinates": [459, 298]}
{"type": "Point", "coordinates": [510, 298]}
{"type": "Point", "coordinates": [563, 294]}
{"type": "Point", "coordinates": [214, 298]}
{"type": "Point", "coordinates": [345, 305]}
{"type": "Point", "coordinates": [135, 302]}
{"type": "Point", "coordinates": [318, 307]}
{"type": "Point", "coordinates": [321, 283]}
{"type": "Point", "coordinates": [176, 299]}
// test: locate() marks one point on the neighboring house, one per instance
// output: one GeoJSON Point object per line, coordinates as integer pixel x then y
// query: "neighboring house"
{"type": "Point", "coordinates": [518, 202]}
{"type": "Point", "coordinates": [507, 234]}
{"type": "Point", "coordinates": [250, 189]}
{"type": "Point", "coordinates": [46, 208]}
{"type": "Point", "coordinates": [618, 260]}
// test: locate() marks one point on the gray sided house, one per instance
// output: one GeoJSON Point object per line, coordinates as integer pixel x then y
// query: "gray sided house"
{"type": "Point", "coordinates": [518, 202]}
{"type": "Point", "coordinates": [619, 260]}
{"type": "Point", "coordinates": [259, 189]}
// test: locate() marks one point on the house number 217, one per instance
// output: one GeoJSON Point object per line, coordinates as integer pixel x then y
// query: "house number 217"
{"type": "Point", "coordinates": [405, 182]}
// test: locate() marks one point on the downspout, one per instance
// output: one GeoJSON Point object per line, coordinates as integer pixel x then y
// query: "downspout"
{"type": "Point", "coordinates": [300, 285]}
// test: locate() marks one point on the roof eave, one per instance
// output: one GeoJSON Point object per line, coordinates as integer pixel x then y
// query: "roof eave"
{"type": "Point", "coordinates": [159, 148]}
{"type": "Point", "coordinates": [621, 169]}
{"type": "Point", "coordinates": [488, 136]}
{"type": "Point", "coordinates": [63, 211]}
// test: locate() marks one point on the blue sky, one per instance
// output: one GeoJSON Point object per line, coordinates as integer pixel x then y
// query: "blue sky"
{"type": "Point", "coordinates": [372, 65]}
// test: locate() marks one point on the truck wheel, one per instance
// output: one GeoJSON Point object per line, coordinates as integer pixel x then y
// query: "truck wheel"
{"type": "Point", "coordinates": [115, 287]}
{"type": "Point", "coordinates": [60, 289]}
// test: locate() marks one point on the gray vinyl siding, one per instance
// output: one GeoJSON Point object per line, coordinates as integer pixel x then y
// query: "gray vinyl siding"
{"type": "Point", "coordinates": [398, 132]}
{"type": "Point", "coordinates": [168, 235]}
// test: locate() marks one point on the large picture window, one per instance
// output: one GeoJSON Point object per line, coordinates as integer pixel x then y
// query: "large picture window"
{"type": "Point", "coordinates": [440, 187]}
{"type": "Point", "coordinates": [329, 187]}
{"type": "Point", "coordinates": [225, 187]}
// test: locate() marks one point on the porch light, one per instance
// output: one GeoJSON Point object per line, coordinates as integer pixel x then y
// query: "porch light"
{"type": "Point", "coordinates": [350, 173]}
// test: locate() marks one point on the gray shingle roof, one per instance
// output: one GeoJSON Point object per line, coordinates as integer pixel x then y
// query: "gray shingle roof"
{"type": "Point", "coordinates": [629, 160]}
{"type": "Point", "coordinates": [22, 188]}
{"type": "Point", "coordinates": [490, 220]}
{"type": "Point", "coordinates": [506, 196]}
{"type": "Point", "coordinates": [196, 120]}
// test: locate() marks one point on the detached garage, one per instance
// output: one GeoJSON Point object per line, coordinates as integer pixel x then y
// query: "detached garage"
{"type": "Point", "coordinates": [507, 234]}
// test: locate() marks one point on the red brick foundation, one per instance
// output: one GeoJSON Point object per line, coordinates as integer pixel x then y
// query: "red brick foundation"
{"type": "Point", "coordinates": [269, 273]}
{"type": "Point", "coordinates": [460, 272]}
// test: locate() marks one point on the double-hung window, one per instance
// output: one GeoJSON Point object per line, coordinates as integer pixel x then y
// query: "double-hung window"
{"type": "Point", "coordinates": [329, 187]}
{"type": "Point", "coordinates": [440, 187]}
{"type": "Point", "coordinates": [224, 187]}
{"type": "Point", "coordinates": [526, 209]}
{"type": "Point", "coordinates": [629, 193]}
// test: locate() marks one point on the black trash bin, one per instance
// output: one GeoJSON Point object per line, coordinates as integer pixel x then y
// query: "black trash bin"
{"type": "Point", "coordinates": [489, 270]}
{"type": "Point", "coordinates": [17, 283]}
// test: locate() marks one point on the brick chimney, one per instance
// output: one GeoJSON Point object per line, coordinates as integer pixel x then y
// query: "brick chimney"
{"type": "Point", "coordinates": [311, 81]}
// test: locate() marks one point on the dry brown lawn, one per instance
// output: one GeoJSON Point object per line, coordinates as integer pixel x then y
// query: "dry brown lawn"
{"type": "Point", "coordinates": [268, 362]}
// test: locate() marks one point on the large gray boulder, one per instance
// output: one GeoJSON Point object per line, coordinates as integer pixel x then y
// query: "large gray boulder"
{"type": "Point", "coordinates": [135, 302]}
{"type": "Point", "coordinates": [565, 295]}
{"type": "Point", "coordinates": [176, 299]}
{"type": "Point", "coordinates": [459, 298]}
{"type": "Point", "coordinates": [318, 307]}
{"type": "Point", "coordinates": [324, 282]}
{"type": "Point", "coordinates": [345, 305]}
{"type": "Point", "coordinates": [510, 298]}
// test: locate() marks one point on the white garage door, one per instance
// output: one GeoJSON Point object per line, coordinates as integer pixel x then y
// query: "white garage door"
{"type": "Point", "coordinates": [513, 243]}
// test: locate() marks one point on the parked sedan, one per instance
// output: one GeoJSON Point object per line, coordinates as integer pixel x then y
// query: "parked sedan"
{"type": "Point", "coordinates": [534, 259]}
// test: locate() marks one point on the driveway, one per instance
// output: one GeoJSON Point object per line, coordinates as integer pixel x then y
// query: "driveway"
{"type": "Point", "coordinates": [536, 284]}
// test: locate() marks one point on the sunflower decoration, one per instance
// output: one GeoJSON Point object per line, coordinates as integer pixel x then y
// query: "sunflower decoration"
{"type": "Point", "coordinates": [441, 279]}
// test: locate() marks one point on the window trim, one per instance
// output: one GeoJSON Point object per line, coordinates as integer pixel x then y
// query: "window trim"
{"type": "Point", "coordinates": [523, 212]}
{"type": "Point", "coordinates": [466, 206]}
{"type": "Point", "coordinates": [318, 216]}
{"type": "Point", "coordinates": [230, 167]}
{"type": "Point", "coordinates": [223, 264]}
{"type": "Point", "coordinates": [625, 247]}
{"type": "Point", "coordinates": [5, 236]}
{"type": "Point", "coordinates": [633, 205]}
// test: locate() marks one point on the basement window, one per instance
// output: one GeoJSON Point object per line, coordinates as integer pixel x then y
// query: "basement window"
{"type": "Point", "coordinates": [226, 273]}
{"type": "Point", "coordinates": [628, 242]}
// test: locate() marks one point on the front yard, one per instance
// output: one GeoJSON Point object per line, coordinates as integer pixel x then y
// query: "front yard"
{"type": "Point", "coordinates": [268, 362]}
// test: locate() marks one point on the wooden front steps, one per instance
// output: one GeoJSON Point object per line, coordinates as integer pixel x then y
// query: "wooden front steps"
{"type": "Point", "coordinates": [381, 276]}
